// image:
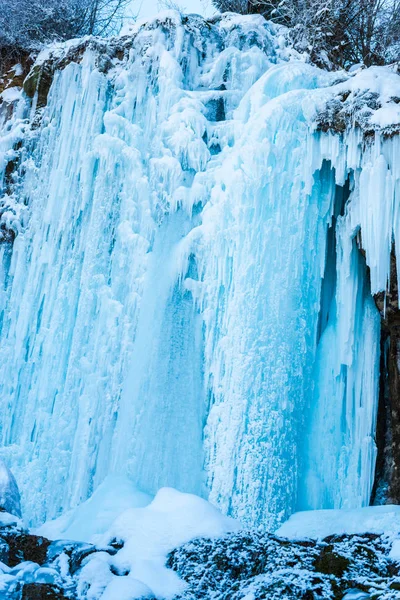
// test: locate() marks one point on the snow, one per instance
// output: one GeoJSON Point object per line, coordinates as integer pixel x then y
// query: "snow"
{"type": "Point", "coordinates": [95, 516]}
{"type": "Point", "coordinates": [57, 50]}
{"type": "Point", "coordinates": [25, 572]}
{"type": "Point", "coordinates": [372, 97]}
{"type": "Point", "coordinates": [9, 520]}
{"type": "Point", "coordinates": [148, 534]}
{"type": "Point", "coordinates": [126, 588]}
{"type": "Point", "coordinates": [355, 595]}
{"type": "Point", "coordinates": [185, 304]}
{"type": "Point", "coordinates": [383, 81]}
{"type": "Point", "coordinates": [318, 524]}
{"type": "Point", "coordinates": [386, 116]}
{"type": "Point", "coordinates": [11, 94]}
{"type": "Point", "coordinates": [395, 551]}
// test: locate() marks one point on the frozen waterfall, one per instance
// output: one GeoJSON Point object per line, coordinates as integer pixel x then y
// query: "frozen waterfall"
{"type": "Point", "coordinates": [185, 301]}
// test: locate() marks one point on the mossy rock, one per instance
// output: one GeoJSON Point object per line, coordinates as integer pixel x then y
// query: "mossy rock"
{"type": "Point", "coordinates": [39, 80]}
{"type": "Point", "coordinates": [31, 81]}
{"type": "Point", "coordinates": [25, 547]}
{"type": "Point", "coordinates": [395, 585]}
{"type": "Point", "coordinates": [42, 591]}
{"type": "Point", "coordinates": [330, 562]}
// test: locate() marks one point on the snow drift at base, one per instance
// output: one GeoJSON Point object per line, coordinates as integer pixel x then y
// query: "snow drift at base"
{"type": "Point", "coordinates": [179, 546]}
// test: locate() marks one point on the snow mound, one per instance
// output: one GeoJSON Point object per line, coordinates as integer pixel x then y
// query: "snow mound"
{"type": "Point", "coordinates": [93, 517]}
{"type": "Point", "coordinates": [146, 535]}
{"type": "Point", "coordinates": [319, 524]}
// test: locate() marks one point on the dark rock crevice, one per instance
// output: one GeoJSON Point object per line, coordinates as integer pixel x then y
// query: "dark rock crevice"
{"type": "Point", "coordinates": [387, 479]}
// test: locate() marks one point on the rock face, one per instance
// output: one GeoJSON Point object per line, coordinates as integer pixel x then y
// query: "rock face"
{"type": "Point", "coordinates": [249, 564]}
{"type": "Point", "coordinates": [387, 484]}
{"type": "Point", "coordinates": [261, 566]}
{"type": "Point", "coordinates": [36, 568]}
{"type": "Point", "coordinates": [354, 110]}
{"type": "Point", "coordinates": [13, 75]}
{"type": "Point", "coordinates": [42, 591]}
{"type": "Point", "coordinates": [23, 546]}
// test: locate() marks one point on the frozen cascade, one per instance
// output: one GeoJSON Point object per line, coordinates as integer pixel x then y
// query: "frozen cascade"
{"type": "Point", "coordinates": [169, 309]}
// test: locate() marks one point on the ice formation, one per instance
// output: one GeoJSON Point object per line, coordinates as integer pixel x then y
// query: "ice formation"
{"type": "Point", "coordinates": [10, 501]}
{"type": "Point", "coordinates": [185, 302]}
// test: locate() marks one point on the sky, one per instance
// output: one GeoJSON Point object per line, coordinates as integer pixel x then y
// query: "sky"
{"type": "Point", "coordinates": [149, 8]}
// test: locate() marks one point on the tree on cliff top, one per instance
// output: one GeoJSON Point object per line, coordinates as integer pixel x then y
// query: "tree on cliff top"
{"type": "Point", "coordinates": [336, 33]}
{"type": "Point", "coordinates": [26, 24]}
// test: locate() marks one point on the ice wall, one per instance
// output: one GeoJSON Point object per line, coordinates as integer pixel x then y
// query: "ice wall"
{"type": "Point", "coordinates": [161, 306]}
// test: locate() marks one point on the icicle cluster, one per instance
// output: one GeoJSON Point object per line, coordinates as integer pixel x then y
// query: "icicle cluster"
{"type": "Point", "coordinates": [187, 303]}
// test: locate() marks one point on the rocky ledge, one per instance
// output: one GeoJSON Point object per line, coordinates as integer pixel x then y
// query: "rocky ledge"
{"type": "Point", "coordinates": [33, 567]}
{"type": "Point", "coordinates": [249, 564]}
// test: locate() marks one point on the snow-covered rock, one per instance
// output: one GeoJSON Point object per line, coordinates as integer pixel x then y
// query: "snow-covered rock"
{"type": "Point", "coordinates": [368, 100]}
{"type": "Point", "coordinates": [10, 501]}
{"type": "Point", "coordinates": [126, 562]}
{"type": "Point", "coordinates": [147, 535]}
{"type": "Point", "coordinates": [256, 565]}
{"type": "Point", "coordinates": [181, 547]}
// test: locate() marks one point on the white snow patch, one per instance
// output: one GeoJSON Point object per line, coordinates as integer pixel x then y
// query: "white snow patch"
{"type": "Point", "coordinates": [11, 94]}
{"type": "Point", "coordinates": [318, 524]}
{"type": "Point", "coordinates": [93, 517]}
{"type": "Point", "coordinates": [395, 551]}
{"type": "Point", "coordinates": [126, 588]}
{"type": "Point", "coordinates": [386, 115]}
{"type": "Point", "coordinates": [355, 595]}
{"type": "Point", "coordinates": [378, 80]}
{"type": "Point", "coordinates": [8, 520]}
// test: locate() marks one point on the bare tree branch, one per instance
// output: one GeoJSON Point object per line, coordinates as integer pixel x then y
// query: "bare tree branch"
{"type": "Point", "coordinates": [26, 24]}
{"type": "Point", "coordinates": [336, 33]}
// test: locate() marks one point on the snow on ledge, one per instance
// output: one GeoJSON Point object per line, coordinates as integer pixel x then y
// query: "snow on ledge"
{"type": "Point", "coordinates": [318, 524]}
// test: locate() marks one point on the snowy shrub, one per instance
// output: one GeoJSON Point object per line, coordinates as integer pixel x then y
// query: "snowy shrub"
{"type": "Point", "coordinates": [335, 33]}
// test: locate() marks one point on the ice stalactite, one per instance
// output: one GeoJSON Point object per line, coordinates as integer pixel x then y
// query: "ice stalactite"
{"type": "Point", "coordinates": [340, 446]}
{"type": "Point", "coordinates": [186, 302]}
{"type": "Point", "coordinates": [352, 334]}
